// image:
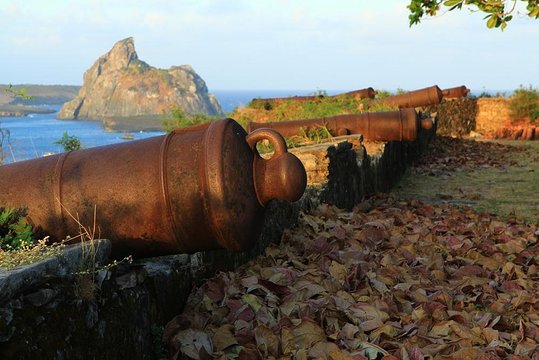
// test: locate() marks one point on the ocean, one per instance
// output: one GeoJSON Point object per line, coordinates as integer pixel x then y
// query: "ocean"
{"type": "Point", "coordinates": [34, 135]}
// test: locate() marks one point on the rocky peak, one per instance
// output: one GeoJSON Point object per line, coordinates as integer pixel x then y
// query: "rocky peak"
{"type": "Point", "coordinates": [119, 84]}
{"type": "Point", "coordinates": [121, 54]}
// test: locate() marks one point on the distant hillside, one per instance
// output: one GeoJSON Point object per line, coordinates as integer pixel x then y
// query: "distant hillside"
{"type": "Point", "coordinates": [41, 94]}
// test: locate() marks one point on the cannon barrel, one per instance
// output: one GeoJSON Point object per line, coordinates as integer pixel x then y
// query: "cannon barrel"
{"type": "Point", "coordinates": [455, 92]}
{"type": "Point", "coordinates": [422, 97]}
{"type": "Point", "coordinates": [195, 189]}
{"type": "Point", "coordinates": [401, 125]}
{"type": "Point", "coordinates": [367, 93]}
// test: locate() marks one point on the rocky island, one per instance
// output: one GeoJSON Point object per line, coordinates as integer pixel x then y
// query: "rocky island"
{"type": "Point", "coordinates": [128, 94]}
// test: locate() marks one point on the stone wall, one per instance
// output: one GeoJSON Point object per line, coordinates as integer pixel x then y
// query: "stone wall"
{"type": "Point", "coordinates": [492, 114]}
{"type": "Point", "coordinates": [456, 117]}
{"type": "Point", "coordinates": [119, 312]}
{"type": "Point", "coordinates": [459, 117]}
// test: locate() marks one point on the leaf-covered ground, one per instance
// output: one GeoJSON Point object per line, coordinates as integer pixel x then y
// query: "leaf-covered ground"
{"type": "Point", "coordinates": [404, 280]}
{"type": "Point", "coordinates": [497, 177]}
{"type": "Point", "coordinates": [393, 279]}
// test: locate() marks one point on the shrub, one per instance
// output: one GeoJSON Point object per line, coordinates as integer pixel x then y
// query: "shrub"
{"type": "Point", "coordinates": [381, 94]}
{"type": "Point", "coordinates": [69, 142]}
{"type": "Point", "coordinates": [177, 118]}
{"type": "Point", "coordinates": [15, 231]}
{"type": "Point", "coordinates": [525, 103]}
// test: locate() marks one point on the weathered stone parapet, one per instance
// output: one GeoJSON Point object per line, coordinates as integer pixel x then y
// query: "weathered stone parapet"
{"type": "Point", "coordinates": [68, 262]}
{"type": "Point", "coordinates": [492, 114]}
{"type": "Point", "coordinates": [456, 117]}
{"type": "Point", "coordinates": [460, 117]}
{"type": "Point", "coordinates": [112, 314]}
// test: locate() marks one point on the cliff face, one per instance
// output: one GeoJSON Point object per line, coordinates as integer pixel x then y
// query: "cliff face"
{"type": "Point", "coordinates": [120, 85]}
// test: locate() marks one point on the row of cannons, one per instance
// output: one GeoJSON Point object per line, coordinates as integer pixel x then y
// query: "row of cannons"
{"type": "Point", "coordinates": [198, 188]}
{"type": "Point", "coordinates": [412, 99]}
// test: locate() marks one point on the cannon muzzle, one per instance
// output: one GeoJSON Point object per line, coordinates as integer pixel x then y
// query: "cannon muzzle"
{"type": "Point", "coordinates": [455, 92]}
{"type": "Point", "coordinates": [400, 125]}
{"type": "Point", "coordinates": [195, 189]}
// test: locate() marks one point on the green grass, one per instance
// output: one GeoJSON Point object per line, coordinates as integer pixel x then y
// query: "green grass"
{"type": "Point", "coordinates": [290, 109]}
{"type": "Point", "coordinates": [511, 192]}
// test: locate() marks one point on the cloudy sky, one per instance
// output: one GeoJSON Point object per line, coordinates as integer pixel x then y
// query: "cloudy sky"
{"type": "Point", "coordinates": [269, 44]}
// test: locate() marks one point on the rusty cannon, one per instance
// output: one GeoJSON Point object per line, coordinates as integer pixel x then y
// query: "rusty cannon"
{"type": "Point", "coordinates": [417, 98]}
{"type": "Point", "coordinates": [400, 125]}
{"type": "Point", "coordinates": [367, 93]}
{"type": "Point", "coordinates": [195, 189]}
{"type": "Point", "coordinates": [455, 92]}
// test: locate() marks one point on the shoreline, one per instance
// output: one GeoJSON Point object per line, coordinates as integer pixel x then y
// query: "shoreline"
{"type": "Point", "coordinates": [10, 110]}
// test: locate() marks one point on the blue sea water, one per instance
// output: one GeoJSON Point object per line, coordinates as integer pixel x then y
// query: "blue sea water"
{"type": "Point", "coordinates": [34, 135]}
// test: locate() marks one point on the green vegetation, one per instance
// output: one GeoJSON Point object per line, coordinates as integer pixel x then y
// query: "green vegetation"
{"type": "Point", "coordinates": [69, 142]}
{"type": "Point", "coordinates": [290, 109]}
{"type": "Point", "coordinates": [305, 137]}
{"type": "Point", "coordinates": [285, 109]}
{"type": "Point", "coordinates": [498, 12]}
{"type": "Point", "coordinates": [525, 104]}
{"type": "Point", "coordinates": [177, 118]}
{"type": "Point", "coordinates": [17, 93]}
{"type": "Point", "coordinates": [15, 231]}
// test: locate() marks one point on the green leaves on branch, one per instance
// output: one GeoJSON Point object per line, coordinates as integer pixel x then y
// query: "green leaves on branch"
{"type": "Point", "coordinates": [18, 93]}
{"type": "Point", "coordinates": [498, 12]}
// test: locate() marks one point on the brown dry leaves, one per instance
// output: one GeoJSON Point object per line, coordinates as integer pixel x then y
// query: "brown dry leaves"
{"type": "Point", "coordinates": [402, 281]}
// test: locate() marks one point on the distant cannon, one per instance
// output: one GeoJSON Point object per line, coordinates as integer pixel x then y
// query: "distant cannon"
{"type": "Point", "coordinates": [195, 189]}
{"type": "Point", "coordinates": [400, 125]}
{"type": "Point", "coordinates": [455, 92]}
{"type": "Point", "coordinates": [368, 93]}
{"type": "Point", "coordinates": [412, 99]}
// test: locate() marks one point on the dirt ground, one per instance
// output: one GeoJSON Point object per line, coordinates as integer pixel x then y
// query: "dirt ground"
{"type": "Point", "coordinates": [499, 177]}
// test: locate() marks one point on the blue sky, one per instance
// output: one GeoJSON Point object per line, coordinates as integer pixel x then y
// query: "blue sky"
{"type": "Point", "coordinates": [269, 44]}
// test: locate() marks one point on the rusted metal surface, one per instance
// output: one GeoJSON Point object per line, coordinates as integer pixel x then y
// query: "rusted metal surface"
{"type": "Point", "coordinates": [455, 92]}
{"type": "Point", "coordinates": [400, 125]}
{"type": "Point", "coordinates": [194, 189]}
{"type": "Point", "coordinates": [367, 93]}
{"type": "Point", "coordinates": [422, 97]}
